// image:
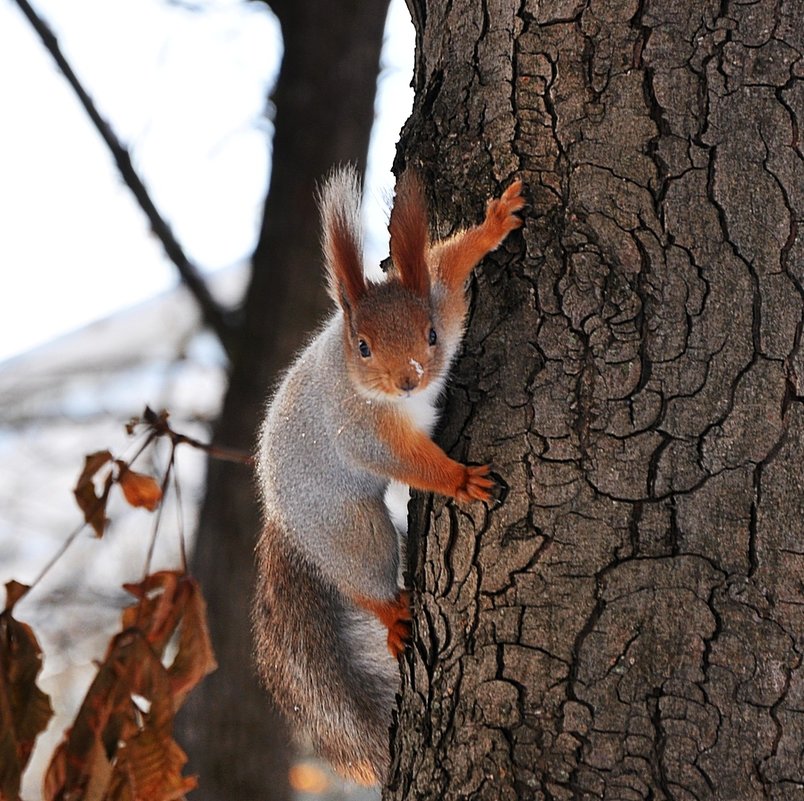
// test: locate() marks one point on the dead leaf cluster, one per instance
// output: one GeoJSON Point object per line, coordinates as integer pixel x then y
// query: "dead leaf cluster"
{"type": "Point", "coordinates": [24, 709]}
{"type": "Point", "coordinates": [120, 746]}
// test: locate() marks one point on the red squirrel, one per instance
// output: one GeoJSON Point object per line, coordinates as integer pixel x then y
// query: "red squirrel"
{"type": "Point", "coordinates": [352, 415]}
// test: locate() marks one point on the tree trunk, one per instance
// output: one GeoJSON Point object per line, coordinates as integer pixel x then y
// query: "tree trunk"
{"type": "Point", "coordinates": [324, 112]}
{"type": "Point", "coordinates": [627, 623]}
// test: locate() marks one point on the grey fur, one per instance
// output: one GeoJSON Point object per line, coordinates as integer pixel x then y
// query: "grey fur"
{"type": "Point", "coordinates": [321, 479]}
{"type": "Point", "coordinates": [321, 465]}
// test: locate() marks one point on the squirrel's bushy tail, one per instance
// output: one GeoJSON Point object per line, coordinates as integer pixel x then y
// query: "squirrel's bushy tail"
{"type": "Point", "coordinates": [324, 662]}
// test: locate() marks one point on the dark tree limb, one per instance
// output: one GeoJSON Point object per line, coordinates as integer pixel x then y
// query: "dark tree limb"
{"type": "Point", "coordinates": [214, 315]}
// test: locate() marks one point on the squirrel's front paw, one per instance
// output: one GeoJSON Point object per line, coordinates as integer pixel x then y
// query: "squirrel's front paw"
{"type": "Point", "coordinates": [500, 212]}
{"type": "Point", "coordinates": [476, 485]}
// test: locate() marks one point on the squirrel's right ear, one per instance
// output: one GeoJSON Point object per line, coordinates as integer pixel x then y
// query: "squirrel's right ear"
{"type": "Point", "coordinates": [410, 237]}
{"type": "Point", "coordinates": [342, 241]}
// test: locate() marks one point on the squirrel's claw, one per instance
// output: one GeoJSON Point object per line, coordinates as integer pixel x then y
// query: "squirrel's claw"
{"type": "Point", "coordinates": [477, 486]}
{"type": "Point", "coordinates": [512, 197]}
{"type": "Point", "coordinates": [500, 212]}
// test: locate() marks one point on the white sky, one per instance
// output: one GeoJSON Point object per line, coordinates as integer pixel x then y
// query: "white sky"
{"type": "Point", "coordinates": [186, 92]}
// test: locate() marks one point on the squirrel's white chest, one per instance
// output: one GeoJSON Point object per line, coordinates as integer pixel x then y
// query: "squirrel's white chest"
{"type": "Point", "coordinates": [421, 408]}
{"type": "Point", "coordinates": [422, 411]}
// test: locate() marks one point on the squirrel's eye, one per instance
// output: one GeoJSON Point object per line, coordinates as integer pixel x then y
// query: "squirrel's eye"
{"type": "Point", "coordinates": [433, 336]}
{"type": "Point", "coordinates": [365, 350]}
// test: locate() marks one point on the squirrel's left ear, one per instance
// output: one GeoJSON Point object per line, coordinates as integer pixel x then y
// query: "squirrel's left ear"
{"type": "Point", "coordinates": [410, 236]}
{"type": "Point", "coordinates": [339, 200]}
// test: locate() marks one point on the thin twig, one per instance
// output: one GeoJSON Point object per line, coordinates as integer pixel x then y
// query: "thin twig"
{"type": "Point", "coordinates": [216, 451]}
{"type": "Point", "coordinates": [149, 438]}
{"type": "Point", "coordinates": [158, 518]}
{"type": "Point", "coordinates": [99, 504]}
{"type": "Point", "coordinates": [56, 556]}
{"type": "Point", "coordinates": [180, 522]}
{"type": "Point", "coordinates": [215, 316]}
{"type": "Point", "coordinates": [158, 423]}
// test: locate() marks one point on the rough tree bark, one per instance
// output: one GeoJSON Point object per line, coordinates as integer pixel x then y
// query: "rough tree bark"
{"type": "Point", "coordinates": [628, 623]}
{"type": "Point", "coordinates": [324, 104]}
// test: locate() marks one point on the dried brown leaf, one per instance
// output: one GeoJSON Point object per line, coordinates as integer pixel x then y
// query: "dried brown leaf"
{"type": "Point", "coordinates": [194, 658]}
{"type": "Point", "coordinates": [92, 463]}
{"type": "Point", "coordinates": [121, 746]}
{"type": "Point", "coordinates": [56, 775]}
{"type": "Point", "coordinates": [83, 765]}
{"type": "Point", "coordinates": [150, 762]}
{"type": "Point", "coordinates": [24, 709]}
{"type": "Point", "coordinates": [91, 504]}
{"type": "Point", "coordinates": [138, 488]}
{"type": "Point", "coordinates": [169, 602]}
{"type": "Point", "coordinates": [14, 591]}
{"type": "Point", "coordinates": [150, 766]}
{"type": "Point", "coordinates": [161, 604]}
{"type": "Point", "coordinates": [77, 768]}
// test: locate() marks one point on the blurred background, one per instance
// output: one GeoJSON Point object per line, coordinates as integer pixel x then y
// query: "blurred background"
{"type": "Point", "coordinates": [95, 321]}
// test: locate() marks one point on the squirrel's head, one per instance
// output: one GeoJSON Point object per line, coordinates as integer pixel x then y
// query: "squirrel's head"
{"type": "Point", "coordinates": [391, 335]}
{"type": "Point", "coordinates": [391, 341]}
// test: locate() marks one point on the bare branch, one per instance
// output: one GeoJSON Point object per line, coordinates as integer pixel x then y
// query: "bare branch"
{"type": "Point", "coordinates": [214, 315]}
{"type": "Point", "coordinates": [159, 427]}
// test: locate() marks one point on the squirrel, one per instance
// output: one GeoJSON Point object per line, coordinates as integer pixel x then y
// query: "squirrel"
{"type": "Point", "coordinates": [352, 415]}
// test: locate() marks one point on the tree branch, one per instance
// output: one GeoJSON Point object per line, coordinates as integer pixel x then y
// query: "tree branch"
{"type": "Point", "coordinates": [214, 315]}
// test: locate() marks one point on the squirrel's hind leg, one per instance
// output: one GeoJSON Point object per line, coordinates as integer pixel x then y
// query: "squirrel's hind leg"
{"type": "Point", "coordinates": [365, 570]}
{"type": "Point", "coordinates": [395, 616]}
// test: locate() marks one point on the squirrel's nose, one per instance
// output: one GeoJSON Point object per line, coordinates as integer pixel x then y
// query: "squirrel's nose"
{"type": "Point", "coordinates": [413, 377]}
{"type": "Point", "coordinates": [409, 382]}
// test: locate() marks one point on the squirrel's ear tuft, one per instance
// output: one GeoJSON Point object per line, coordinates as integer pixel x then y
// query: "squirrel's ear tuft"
{"type": "Point", "coordinates": [410, 238]}
{"type": "Point", "coordinates": [341, 236]}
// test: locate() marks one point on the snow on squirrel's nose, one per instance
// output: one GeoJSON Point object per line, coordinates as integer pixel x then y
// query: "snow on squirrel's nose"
{"type": "Point", "coordinates": [412, 377]}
